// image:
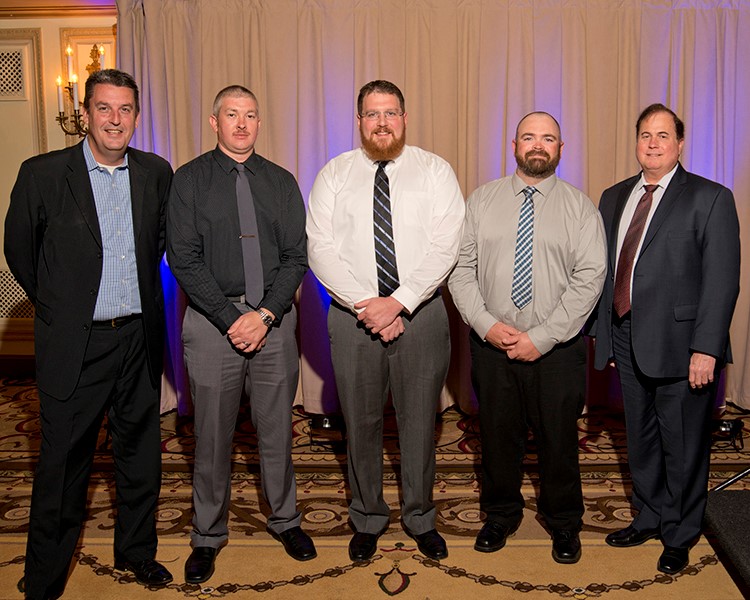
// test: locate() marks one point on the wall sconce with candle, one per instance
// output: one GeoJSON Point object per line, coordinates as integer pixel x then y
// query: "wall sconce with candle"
{"type": "Point", "coordinates": [73, 124]}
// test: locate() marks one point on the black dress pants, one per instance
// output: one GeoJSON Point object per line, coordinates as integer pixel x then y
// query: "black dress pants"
{"type": "Point", "coordinates": [114, 379]}
{"type": "Point", "coordinates": [547, 395]}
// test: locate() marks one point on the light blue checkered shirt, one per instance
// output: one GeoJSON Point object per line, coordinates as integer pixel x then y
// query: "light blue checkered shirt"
{"type": "Point", "coordinates": [118, 291]}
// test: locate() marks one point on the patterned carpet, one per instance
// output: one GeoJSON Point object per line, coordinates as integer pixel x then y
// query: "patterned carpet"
{"type": "Point", "coordinates": [254, 564]}
{"type": "Point", "coordinates": [601, 440]}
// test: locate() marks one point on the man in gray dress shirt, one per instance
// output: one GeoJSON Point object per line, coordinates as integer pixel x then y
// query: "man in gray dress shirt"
{"type": "Point", "coordinates": [530, 270]}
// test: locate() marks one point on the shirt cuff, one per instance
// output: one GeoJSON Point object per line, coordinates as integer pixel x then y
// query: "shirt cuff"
{"type": "Point", "coordinates": [407, 298]}
{"type": "Point", "coordinates": [226, 318]}
{"type": "Point", "coordinates": [541, 340]}
{"type": "Point", "coordinates": [483, 323]}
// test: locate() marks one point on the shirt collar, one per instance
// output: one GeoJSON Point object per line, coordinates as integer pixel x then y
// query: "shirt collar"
{"type": "Point", "coordinates": [662, 183]}
{"type": "Point", "coordinates": [91, 163]}
{"type": "Point", "coordinates": [544, 187]}
{"type": "Point", "coordinates": [374, 163]}
{"type": "Point", "coordinates": [227, 163]}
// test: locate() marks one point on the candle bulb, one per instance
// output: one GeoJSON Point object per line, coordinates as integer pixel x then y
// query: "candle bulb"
{"type": "Point", "coordinates": [75, 91]}
{"type": "Point", "coordinates": [101, 58]}
{"type": "Point", "coordinates": [69, 57]}
{"type": "Point", "coordinates": [60, 106]}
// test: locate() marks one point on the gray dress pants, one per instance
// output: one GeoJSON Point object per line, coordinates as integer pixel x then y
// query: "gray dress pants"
{"type": "Point", "coordinates": [218, 376]}
{"type": "Point", "coordinates": [413, 368]}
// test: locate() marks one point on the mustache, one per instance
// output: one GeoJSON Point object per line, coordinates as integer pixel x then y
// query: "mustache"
{"type": "Point", "coordinates": [382, 130]}
{"type": "Point", "coordinates": [537, 153]}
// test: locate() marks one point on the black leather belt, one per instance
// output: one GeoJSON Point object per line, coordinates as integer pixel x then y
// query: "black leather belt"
{"type": "Point", "coordinates": [116, 322]}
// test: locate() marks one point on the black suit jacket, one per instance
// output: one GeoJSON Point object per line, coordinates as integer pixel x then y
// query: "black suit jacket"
{"type": "Point", "coordinates": [686, 278]}
{"type": "Point", "coordinates": [53, 246]}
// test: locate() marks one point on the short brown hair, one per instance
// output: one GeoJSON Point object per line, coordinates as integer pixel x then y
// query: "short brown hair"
{"type": "Point", "coordinates": [111, 77]}
{"type": "Point", "coordinates": [379, 86]}
{"type": "Point", "coordinates": [652, 109]}
{"type": "Point", "coordinates": [235, 91]}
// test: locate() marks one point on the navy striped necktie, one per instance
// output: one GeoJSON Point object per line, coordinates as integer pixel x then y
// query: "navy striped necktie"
{"type": "Point", "coordinates": [385, 250]}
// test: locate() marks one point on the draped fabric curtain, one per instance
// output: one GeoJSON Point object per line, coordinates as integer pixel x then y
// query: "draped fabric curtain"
{"type": "Point", "coordinates": [470, 69]}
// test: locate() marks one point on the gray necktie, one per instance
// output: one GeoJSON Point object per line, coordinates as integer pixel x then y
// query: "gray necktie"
{"type": "Point", "coordinates": [521, 289]}
{"type": "Point", "coordinates": [251, 262]}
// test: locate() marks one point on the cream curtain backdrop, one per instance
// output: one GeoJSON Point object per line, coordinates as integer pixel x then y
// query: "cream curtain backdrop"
{"type": "Point", "coordinates": [470, 69]}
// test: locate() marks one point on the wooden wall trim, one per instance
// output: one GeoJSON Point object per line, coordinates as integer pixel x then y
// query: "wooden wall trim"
{"type": "Point", "coordinates": [16, 337]}
{"type": "Point", "coordinates": [31, 9]}
{"type": "Point", "coordinates": [33, 36]}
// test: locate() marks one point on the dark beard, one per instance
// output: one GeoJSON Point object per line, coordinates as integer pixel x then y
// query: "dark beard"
{"type": "Point", "coordinates": [375, 152]}
{"type": "Point", "coordinates": [538, 165]}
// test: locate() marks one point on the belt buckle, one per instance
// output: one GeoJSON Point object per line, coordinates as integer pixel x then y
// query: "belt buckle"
{"type": "Point", "coordinates": [113, 322]}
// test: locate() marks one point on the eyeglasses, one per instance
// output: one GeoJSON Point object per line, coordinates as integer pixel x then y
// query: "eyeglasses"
{"type": "Point", "coordinates": [374, 115]}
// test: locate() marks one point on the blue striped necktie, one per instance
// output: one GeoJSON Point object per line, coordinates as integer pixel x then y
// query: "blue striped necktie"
{"type": "Point", "coordinates": [520, 292]}
{"type": "Point", "coordinates": [385, 250]}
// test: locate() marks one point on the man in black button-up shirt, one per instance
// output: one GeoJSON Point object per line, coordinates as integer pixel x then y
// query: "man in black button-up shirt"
{"type": "Point", "coordinates": [232, 344]}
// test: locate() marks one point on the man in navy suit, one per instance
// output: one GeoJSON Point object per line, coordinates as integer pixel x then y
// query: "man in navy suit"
{"type": "Point", "coordinates": [84, 237]}
{"type": "Point", "coordinates": [664, 315]}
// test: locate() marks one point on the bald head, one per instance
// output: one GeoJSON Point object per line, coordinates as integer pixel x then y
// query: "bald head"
{"type": "Point", "coordinates": [537, 146]}
{"type": "Point", "coordinates": [540, 117]}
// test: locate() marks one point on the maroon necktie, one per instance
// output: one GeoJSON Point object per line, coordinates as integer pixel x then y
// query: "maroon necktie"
{"type": "Point", "coordinates": [621, 300]}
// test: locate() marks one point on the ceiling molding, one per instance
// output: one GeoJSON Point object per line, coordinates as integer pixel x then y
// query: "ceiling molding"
{"type": "Point", "coordinates": [31, 9]}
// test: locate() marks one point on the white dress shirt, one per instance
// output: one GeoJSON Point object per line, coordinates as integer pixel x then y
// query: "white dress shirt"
{"type": "Point", "coordinates": [427, 212]}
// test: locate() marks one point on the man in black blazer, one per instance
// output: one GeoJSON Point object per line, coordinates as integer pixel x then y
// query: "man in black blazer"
{"type": "Point", "coordinates": [84, 237]}
{"type": "Point", "coordinates": [664, 315]}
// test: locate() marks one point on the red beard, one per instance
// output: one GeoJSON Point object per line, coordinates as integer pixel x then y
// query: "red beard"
{"type": "Point", "coordinates": [376, 151]}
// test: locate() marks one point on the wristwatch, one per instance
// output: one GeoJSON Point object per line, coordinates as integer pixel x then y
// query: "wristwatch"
{"type": "Point", "coordinates": [265, 317]}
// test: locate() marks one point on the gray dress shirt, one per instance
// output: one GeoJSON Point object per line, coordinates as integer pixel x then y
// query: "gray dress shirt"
{"type": "Point", "coordinates": [569, 260]}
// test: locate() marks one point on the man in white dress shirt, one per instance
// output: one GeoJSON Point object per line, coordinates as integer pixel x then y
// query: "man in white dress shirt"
{"type": "Point", "coordinates": [384, 226]}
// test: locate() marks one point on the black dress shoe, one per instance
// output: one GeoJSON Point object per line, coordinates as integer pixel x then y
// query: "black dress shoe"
{"type": "Point", "coordinates": [362, 546]}
{"type": "Point", "coordinates": [297, 543]}
{"type": "Point", "coordinates": [430, 543]}
{"type": "Point", "coordinates": [147, 572]}
{"type": "Point", "coordinates": [51, 595]}
{"type": "Point", "coordinates": [630, 536]}
{"type": "Point", "coordinates": [566, 546]}
{"type": "Point", "coordinates": [493, 536]}
{"type": "Point", "coordinates": [200, 564]}
{"type": "Point", "coordinates": [673, 560]}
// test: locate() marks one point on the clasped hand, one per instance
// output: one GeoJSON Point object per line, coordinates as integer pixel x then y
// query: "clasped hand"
{"type": "Point", "coordinates": [248, 333]}
{"type": "Point", "coordinates": [516, 344]}
{"type": "Point", "coordinates": [381, 315]}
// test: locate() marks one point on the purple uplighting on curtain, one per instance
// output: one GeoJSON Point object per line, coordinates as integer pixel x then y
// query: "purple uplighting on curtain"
{"type": "Point", "coordinates": [469, 71]}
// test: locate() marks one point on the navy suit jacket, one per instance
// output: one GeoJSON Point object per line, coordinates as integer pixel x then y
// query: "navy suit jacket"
{"type": "Point", "coordinates": [686, 277]}
{"type": "Point", "coordinates": [53, 246]}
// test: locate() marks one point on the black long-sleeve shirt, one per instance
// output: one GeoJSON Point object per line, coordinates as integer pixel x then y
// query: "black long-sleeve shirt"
{"type": "Point", "coordinates": [203, 244]}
